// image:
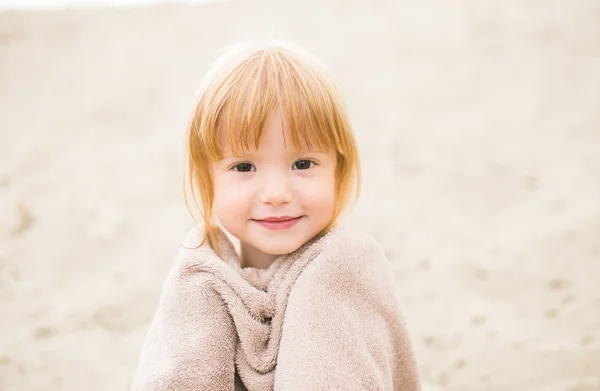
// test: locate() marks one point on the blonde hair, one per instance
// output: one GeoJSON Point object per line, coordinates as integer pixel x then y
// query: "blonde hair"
{"type": "Point", "coordinates": [242, 89]}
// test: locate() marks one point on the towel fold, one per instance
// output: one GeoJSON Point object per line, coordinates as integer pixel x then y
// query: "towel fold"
{"type": "Point", "coordinates": [325, 317]}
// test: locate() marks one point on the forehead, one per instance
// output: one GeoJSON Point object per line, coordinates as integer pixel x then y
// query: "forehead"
{"type": "Point", "coordinates": [276, 134]}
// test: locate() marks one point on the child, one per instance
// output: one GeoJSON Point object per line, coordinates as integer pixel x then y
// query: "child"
{"type": "Point", "coordinates": [304, 304]}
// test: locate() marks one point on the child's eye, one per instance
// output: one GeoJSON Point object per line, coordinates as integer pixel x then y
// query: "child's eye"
{"type": "Point", "coordinates": [303, 164]}
{"type": "Point", "coordinates": [243, 167]}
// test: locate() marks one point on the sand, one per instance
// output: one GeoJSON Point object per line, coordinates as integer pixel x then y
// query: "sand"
{"type": "Point", "coordinates": [479, 128]}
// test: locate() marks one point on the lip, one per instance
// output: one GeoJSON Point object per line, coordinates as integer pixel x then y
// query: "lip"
{"type": "Point", "coordinates": [278, 223]}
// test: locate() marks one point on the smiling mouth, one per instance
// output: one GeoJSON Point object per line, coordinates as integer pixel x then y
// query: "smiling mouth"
{"type": "Point", "coordinates": [278, 223]}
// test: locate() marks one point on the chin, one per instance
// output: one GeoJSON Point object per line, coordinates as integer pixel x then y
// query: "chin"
{"type": "Point", "coordinates": [279, 248]}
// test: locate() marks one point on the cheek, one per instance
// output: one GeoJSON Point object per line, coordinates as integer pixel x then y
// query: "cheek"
{"type": "Point", "coordinates": [231, 200]}
{"type": "Point", "coordinates": [320, 196]}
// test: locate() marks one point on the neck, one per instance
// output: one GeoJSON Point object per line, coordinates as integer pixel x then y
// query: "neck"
{"type": "Point", "coordinates": [252, 257]}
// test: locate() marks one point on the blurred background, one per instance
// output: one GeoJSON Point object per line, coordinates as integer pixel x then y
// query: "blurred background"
{"type": "Point", "coordinates": [479, 128]}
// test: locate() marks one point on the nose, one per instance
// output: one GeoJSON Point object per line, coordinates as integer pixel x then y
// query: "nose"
{"type": "Point", "coordinates": [275, 189]}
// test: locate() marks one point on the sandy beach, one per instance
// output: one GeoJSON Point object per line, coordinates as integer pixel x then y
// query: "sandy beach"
{"type": "Point", "coordinates": [479, 130]}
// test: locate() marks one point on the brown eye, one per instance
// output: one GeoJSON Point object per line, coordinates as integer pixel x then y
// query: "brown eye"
{"type": "Point", "coordinates": [243, 167]}
{"type": "Point", "coordinates": [303, 164]}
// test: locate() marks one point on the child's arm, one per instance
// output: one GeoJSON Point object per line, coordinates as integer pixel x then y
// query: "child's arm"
{"type": "Point", "coordinates": [191, 341]}
{"type": "Point", "coordinates": [343, 327]}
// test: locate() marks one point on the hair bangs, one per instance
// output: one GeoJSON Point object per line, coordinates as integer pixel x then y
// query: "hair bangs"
{"type": "Point", "coordinates": [240, 107]}
{"type": "Point", "coordinates": [306, 101]}
{"type": "Point", "coordinates": [270, 81]}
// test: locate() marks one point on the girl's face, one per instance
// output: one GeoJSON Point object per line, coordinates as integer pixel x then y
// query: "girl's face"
{"type": "Point", "coordinates": [274, 182]}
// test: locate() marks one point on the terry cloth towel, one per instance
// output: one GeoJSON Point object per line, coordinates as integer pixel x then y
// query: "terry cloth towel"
{"type": "Point", "coordinates": [325, 317]}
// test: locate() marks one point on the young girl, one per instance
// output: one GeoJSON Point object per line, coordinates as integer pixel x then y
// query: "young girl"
{"type": "Point", "coordinates": [304, 304]}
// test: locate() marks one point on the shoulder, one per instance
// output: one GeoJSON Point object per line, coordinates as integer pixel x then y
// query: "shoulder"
{"type": "Point", "coordinates": [359, 246]}
{"type": "Point", "coordinates": [355, 250]}
{"type": "Point", "coordinates": [194, 237]}
{"type": "Point", "coordinates": [192, 251]}
{"type": "Point", "coordinates": [192, 260]}
{"type": "Point", "coordinates": [348, 260]}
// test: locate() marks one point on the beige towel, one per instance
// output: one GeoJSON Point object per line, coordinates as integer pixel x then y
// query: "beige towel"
{"type": "Point", "coordinates": [325, 317]}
